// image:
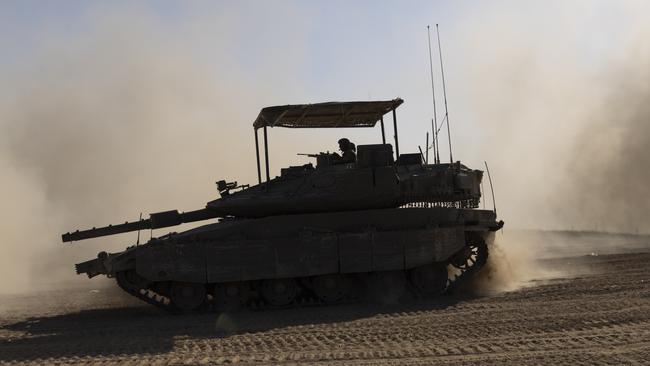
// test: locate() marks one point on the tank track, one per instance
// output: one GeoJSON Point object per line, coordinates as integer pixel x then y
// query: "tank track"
{"type": "Point", "coordinates": [146, 295]}
{"type": "Point", "coordinates": [465, 271]}
{"type": "Point", "coordinates": [460, 273]}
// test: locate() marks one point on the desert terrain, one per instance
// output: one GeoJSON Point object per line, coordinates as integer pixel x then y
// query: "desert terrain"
{"type": "Point", "coordinates": [585, 302]}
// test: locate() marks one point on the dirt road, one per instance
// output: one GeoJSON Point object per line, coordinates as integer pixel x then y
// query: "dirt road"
{"type": "Point", "coordinates": [601, 315]}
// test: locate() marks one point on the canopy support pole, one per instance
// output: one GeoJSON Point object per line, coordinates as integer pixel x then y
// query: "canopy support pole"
{"type": "Point", "coordinates": [396, 138]}
{"type": "Point", "coordinates": [383, 134]}
{"type": "Point", "coordinates": [266, 154]}
{"type": "Point", "coordinates": [257, 155]}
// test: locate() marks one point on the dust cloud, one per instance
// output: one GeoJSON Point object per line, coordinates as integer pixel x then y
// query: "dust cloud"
{"type": "Point", "coordinates": [612, 158]}
{"type": "Point", "coordinates": [102, 125]}
{"type": "Point", "coordinates": [562, 112]}
{"type": "Point", "coordinates": [80, 130]}
{"type": "Point", "coordinates": [566, 127]}
{"type": "Point", "coordinates": [517, 259]}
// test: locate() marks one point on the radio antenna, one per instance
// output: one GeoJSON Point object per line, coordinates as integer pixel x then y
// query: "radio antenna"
{"type": "Point", "coordinates": [435, 146]}
{"type": "Point", "coordinates": [426, 158]}
{"type": "Point", "coordinates": [138, 242]}
{"type": "Point", "coordinates": [434, 120]}
{"type": "Point", "coordinates": [444, 93]}
{"type": "Point", "coordinates": [494, 201]}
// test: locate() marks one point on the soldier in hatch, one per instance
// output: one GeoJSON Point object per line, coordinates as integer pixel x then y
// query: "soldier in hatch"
{"type": "Point", "coordinates": [348, 154]}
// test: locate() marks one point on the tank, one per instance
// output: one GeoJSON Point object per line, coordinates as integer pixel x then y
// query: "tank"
{"type": "Point", "coordinates": [316, 234]}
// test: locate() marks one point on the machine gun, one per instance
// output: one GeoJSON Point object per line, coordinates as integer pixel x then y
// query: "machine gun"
{"type": "Point", "coordinates": [314, 155]}
{"type": "Point", "coordinates": [225, 187]}
{"type": "Point", "coordinates": [322, 158]}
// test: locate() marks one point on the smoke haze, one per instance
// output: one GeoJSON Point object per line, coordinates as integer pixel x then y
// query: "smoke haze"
{"type": "Point", "coordinates": [101, 126]}
{"type": "Point", "coordinates": [563, 119]}
{"type": "Point", "coordinates": [566, 127]}
{"type": "Point", "coordinates": [134, 116]}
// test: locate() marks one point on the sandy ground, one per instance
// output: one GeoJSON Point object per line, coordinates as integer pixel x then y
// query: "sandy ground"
{"type": "Point", "coordinates": [599, 315]}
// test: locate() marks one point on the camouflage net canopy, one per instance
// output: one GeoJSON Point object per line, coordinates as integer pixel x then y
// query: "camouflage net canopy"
{"type": "Point", "coordinates": [326, 115]}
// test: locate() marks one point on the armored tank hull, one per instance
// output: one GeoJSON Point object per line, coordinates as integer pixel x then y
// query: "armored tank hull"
{"type": "Point", "coordinates": [319, 258]}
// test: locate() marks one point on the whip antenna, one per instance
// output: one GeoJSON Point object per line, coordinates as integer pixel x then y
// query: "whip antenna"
{"type": "Point", "coordinates": [444, 93]}
{"type": "Point", "coordinates": [138, 242]}
{"type": "Point", "coordinates": [426, 158]}
{"type": "Point", "coordinates": [494, 202]}
{"type": "Point", "coordinates": [434, 120]}
{"type": "Point", "coordinates": [436, 145]}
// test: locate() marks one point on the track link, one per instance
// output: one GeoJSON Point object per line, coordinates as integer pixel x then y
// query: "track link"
{"type": "Point", "coordinates": [144, 294]}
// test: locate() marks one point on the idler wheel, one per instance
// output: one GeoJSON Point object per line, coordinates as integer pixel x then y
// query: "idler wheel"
{"type": "Point", "coordinates": [130, 280]}
{"type": "Point", "coordinates": [473, 254]}
{"type": "Point", "coordinates": [330, 288]}
{"type": "Point", "coordinates": [279, 292]}
{"type": "Point", "coordinates": [187, 296]}
{"type": "Point", "coordinates": [460, 259]}
{"type": "Point", "coordinates": [429, 280]}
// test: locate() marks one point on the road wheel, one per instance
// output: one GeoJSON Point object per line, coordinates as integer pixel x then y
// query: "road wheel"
{"type": "Point", "coordinates": [429, 280]}
{"type": "Point", "coordinates": [387, 287]}
{"type": "Point", "coordinates": [279, 292]}
{"type": "Point", "coordinates": [230, 296]}
{"type": "Point", "coordinates": [330, 289]}
{"type": "Point", "coordinates": [187, 296]}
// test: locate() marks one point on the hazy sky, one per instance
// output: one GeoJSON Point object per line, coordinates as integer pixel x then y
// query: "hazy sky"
{"type": "Point", "coordinates": [337, 50]}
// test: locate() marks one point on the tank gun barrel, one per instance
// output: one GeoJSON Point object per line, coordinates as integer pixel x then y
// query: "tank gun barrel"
{"type": "Point", "coordinates": [155, 221]}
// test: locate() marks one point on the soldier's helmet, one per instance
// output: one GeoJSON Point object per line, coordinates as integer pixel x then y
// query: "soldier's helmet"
{"type": "Point", "coordinates": [344, 144]}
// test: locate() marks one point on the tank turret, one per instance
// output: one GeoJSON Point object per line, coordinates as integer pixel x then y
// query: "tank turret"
{"type": "Point", "coordinates": [374, 181]}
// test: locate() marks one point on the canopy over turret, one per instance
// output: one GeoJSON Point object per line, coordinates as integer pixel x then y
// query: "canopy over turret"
{"type": "Point", "coordinates": [323, 115]}
{"type": "Point", "coordinates": [326, 115]}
